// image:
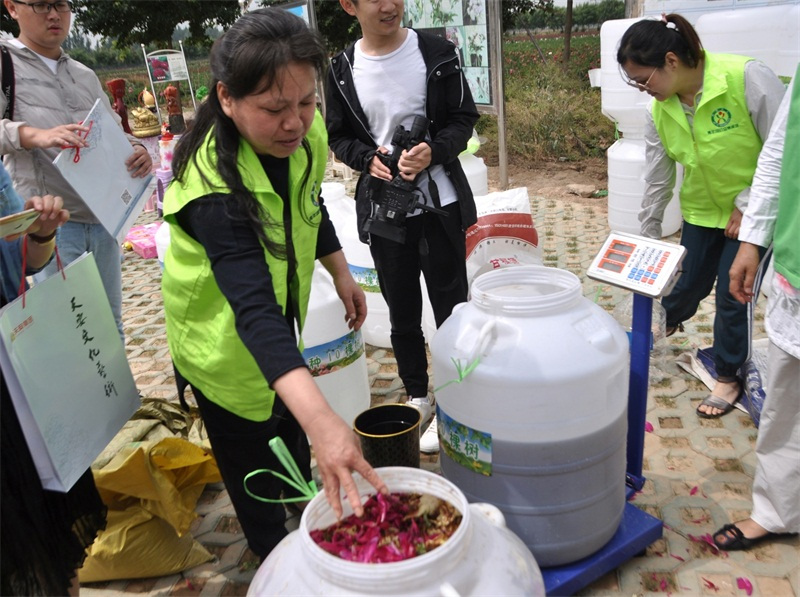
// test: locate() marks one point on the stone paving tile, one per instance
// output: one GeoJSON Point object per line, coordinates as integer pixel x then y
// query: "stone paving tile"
{"type": "Point", "coordinates": [699, 472]}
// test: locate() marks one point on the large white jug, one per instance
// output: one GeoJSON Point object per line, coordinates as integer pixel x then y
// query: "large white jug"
{"type": "Point", "coordinates": [537, 423]}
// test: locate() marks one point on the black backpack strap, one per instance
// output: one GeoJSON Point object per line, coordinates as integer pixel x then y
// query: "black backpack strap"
{"type": "Point", "coordinates": [8, 82]}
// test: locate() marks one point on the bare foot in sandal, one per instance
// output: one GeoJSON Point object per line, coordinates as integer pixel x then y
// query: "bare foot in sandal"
{"type": "Point", "coordinates": [721, 399]}
{"type": "Point", "coordinates": [741, 535]}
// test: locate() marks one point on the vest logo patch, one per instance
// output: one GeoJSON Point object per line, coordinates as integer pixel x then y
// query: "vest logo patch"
{"type": "Point", "coordinates": [721, 117]}
{"type": "Point", "coordinates": [314, 194]}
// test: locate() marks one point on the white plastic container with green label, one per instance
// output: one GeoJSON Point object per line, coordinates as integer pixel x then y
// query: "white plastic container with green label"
{"type": "Point", "coordinates": [334, 353]}
{"type": "Point", "coordinates": [532, 397]}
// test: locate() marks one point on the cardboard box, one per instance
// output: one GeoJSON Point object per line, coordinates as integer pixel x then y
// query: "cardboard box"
{"type": "Point", "coordinates": [143, 239]}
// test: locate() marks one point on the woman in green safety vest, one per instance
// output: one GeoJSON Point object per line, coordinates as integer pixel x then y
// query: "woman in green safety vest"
{"type": "Point", "coordinates": [711, 113]}
{"type": "Point", "coordinates": [246, 226]}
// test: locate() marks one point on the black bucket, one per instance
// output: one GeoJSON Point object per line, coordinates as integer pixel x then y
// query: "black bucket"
{"type": "Point", "coordinates": [389, 435]}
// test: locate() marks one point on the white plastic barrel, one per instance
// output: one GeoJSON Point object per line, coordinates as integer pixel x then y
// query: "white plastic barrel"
{"type": "Point", "coordinates": [342, 210]}
{"type": "Point", "coordinates": [532, 395]}
{"type": "Point", "coordinates": [620, 102]}
{"type": "Point", "coordinates": [334, 353]}
{"type": "Point", "coordinates": [476, 171]}
{"type": "Point", "coordinates": [482, 557]}
{"type": "Point", "coordinates": [769, 33]}
{"type": "Point", "coordinates": [162, 242]}
{"type": "Point", "coordinates": [626, 165]}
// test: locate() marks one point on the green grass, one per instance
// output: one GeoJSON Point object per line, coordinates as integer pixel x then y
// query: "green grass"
{"type": "Point", "coordinates": [551, 111]}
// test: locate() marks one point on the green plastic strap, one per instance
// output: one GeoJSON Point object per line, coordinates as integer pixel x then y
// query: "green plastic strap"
{"type": "Point", "coordinates": [307, 490]}
{"type": "Point", "coordinates": [462, 372]}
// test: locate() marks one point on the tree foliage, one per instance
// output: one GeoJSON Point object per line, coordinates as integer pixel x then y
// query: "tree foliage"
{"type": "Point", "coordinates": [514, 9]}
{"type": "Point", "coordinates": [155, 21]}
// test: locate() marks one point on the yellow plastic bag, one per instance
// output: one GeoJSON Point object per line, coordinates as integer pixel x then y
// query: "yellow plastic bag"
{"type": "Point", "coordinates": [151, 490]}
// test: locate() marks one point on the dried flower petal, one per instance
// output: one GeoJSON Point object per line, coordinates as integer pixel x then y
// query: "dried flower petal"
{"type": "Point", "coordinates": [390, 529]}
{"type": "Point", "coordinates": [679, 558]}
{"type": "Point", "coordinates": [745, 584]}
{"type": "Point", "coordinates": [694, 490]}
{"type": "Point", "coordinates": [710, 585]}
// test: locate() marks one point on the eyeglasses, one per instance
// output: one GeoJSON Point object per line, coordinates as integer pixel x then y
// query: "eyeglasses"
{"type": "Point", "coordinates": [42, 8]}
{"type": "Point", "coordinates": [640, 86]}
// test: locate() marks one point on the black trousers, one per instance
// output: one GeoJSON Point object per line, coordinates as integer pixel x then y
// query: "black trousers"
{"type": "Point", "coordinates": [435, 246]}
{"type": "Point", "coordinates": [242, 446]}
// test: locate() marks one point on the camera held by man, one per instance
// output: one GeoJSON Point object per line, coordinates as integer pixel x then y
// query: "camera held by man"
{"type": "Point", "coordinates": [396, 199]}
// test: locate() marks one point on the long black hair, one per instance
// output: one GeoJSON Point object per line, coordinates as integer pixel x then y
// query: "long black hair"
{"type": "Point", "coordinates": [248, 59]}
{"type": "Point", "coordinates": [647, 42]}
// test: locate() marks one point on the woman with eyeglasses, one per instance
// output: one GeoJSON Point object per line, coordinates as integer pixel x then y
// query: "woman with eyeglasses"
{"type": "Point", "coordinates": [711, 113]}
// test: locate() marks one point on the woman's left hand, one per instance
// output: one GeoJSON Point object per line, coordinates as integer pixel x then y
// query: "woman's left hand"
{"type": "Point", "coordinates": [735, 221]}
{"type": "Point", "coordinates": [353, 298]}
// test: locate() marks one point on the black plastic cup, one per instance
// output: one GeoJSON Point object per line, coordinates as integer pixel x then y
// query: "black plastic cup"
{"type": "Point", "coordinates": [389, 435]}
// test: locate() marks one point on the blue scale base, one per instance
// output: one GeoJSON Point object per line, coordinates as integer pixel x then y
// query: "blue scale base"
{"type": "Point", "coordinates": [636, 531]}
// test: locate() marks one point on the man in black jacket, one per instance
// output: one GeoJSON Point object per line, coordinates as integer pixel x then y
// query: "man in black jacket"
{"type": "Point", "coordinates": [386, 79]}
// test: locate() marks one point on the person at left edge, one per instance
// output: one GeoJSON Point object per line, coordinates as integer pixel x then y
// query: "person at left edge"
{"type": "Point", "coordinates": [52, 93]}
{"type": "Point", "coordinates": [246, 226]}
{"type": "Point", "coordinates": [43, 534]}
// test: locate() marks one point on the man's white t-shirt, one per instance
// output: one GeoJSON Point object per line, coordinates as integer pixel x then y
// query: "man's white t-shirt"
{"type": "Point", "coordinates": [51, 64]}
{"type": "Point", "coordinates": [392, 89]}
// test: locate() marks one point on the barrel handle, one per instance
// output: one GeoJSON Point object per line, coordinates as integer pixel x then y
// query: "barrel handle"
{"type": "Point", "coordinates": [474, 357]}
{"type": "Point", "coordinates": [484, 336]}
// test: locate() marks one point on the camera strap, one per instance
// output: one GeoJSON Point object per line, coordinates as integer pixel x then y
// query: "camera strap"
{"type": "Point", "coordinates": [8, 82]}
{"type": "Point", "coordinates": [433, 190]}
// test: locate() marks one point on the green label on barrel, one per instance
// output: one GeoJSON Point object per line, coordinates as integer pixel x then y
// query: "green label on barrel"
{"type": "Point", "coordinates": [468, 447]}
{"type": "Point", "coordinates": [366, 277]}
{"type": "Point", "coordinates": [334, 355]}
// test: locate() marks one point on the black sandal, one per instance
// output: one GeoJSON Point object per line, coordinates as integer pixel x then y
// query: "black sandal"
{"type": "Point", "coordinates": [738, 541]}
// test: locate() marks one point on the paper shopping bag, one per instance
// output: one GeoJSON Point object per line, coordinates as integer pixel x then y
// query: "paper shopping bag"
{"type": "Point", "coordinates": [67, 372]}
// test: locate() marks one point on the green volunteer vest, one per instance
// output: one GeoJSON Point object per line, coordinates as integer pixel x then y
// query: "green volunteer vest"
{"type": "Point", "coordinates": [786, 240]}
{"type": "Point", "coordinates": [201, 332]}
{"type": "Point", "coordinates": [719, 153]}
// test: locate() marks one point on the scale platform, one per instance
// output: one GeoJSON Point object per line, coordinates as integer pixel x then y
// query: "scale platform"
{"type": "Point", "coordinates": [636, 531]}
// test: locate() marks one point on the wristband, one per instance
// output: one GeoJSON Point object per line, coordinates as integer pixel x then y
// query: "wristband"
{"type": "Point", "coordinates": [42, 240]}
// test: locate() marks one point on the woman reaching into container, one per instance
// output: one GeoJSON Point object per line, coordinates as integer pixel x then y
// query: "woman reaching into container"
{"type": "Point", "coordinates": [711, 113]}
{"type": "Point", "coordinates": [246, 228]}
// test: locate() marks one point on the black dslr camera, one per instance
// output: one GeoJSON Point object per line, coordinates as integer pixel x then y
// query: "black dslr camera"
{"type": "Point", "coordinates": [396, 199]}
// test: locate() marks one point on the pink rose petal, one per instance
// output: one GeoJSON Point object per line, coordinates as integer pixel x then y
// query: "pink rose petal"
{"type": "Point", "coordinates": [710, 585]}
{"type": "Point", "coordinates": [679, 558]}
{"type": "Point", "coordinates": [694, 490]}
{"type": "Point", "coordinates": [745, 584]}
{"type": "Point", "coordinates": [648, 427]}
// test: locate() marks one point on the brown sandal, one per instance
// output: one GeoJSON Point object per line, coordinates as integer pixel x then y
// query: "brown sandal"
{"type": "Point", "coordinates": [673, 328]}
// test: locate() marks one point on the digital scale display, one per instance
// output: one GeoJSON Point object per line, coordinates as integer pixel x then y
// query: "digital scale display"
{"type": "Point", "coordinates": [641, 264]}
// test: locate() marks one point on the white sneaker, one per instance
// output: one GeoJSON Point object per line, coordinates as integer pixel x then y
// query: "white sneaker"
{"type": "Point", "coordinates": [429, 441]}
{"type": "Point", "coordinates": [425, 408]}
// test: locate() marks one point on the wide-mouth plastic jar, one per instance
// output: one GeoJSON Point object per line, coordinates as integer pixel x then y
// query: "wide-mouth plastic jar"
{"type": "Point", "coordinates": [481, 557]}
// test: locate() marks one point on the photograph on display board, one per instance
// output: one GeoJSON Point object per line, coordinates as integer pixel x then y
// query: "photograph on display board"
{"type": "Point", "coordinates": [463, 22]}
{"type": "Point", "coordinates": [167, 65]}
{"type": "Point", "coordinates": [456, 36]}
{"type": "Point", "coordinates": [479, 84]}
{"type": "Point", "coordinates": [477, 54]}
{"type": "Point", "coordinates": [474, 12]}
